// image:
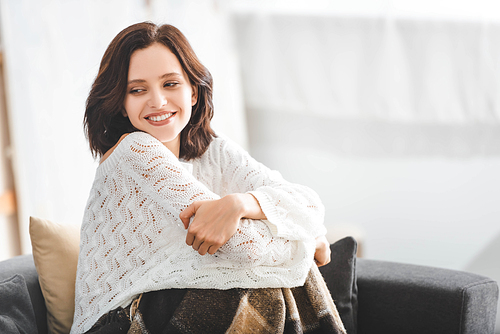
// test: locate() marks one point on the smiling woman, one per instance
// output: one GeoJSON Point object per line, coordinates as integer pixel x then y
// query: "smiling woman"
{"type": "Point", "coordinates": [159, 95]}
{"type": "Point", "coordinates": [175, 209]}
{"type": "Point", "coordinates": [135, 49]}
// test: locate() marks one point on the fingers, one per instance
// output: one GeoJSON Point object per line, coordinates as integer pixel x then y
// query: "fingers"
{"type": "Point", "coordinates": [190, 238]}
{"type": "Point", "coordinates": [203, 247]}
{"type": "Point", "coordinates": [201, 242]}
{"type": "Point", "coordinates": [212, 249]}
{"type": "Point", "coordinates": [323, 253]}
{"type": "Point", "coordinates": [213, 223]}
{"type": "Point", "coordinates": [322, 262]}
{"type": "Point", "coordinates": [322, 259]}
{"type": "Point", "coordinates": [187, 213]}
{"type": "Point", "coordinates": [197, 244]}
{"type": "Point", "coordinates": [202, 250]}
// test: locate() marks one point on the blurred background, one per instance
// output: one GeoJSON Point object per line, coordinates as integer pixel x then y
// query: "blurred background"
{"type": "Point", "coordinates": [390, 110]}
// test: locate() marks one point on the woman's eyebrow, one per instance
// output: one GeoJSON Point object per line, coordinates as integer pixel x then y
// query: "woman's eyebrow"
{"type": "Point", "coordinates": [134, 81]}
{"type": "Point", "coordinates": [164, 76]}
{"type": "Point", "coordinates": [171, 74]}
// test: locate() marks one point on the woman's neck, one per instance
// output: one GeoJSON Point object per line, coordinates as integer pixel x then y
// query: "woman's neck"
{"type": "Point", "coordinates": [174, 146]}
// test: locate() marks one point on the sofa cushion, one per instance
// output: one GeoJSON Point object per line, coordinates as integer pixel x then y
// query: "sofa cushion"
{"type": "Point", "coordinates": [16, 312]}
{"type": "Point", "coordinates": [340, 277]}
{"type": "Point", "coordinates": [24, 265]}
{"type": "Point", "coordinates": [55, 252]}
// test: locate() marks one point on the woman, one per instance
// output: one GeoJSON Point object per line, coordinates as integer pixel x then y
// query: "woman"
{"type": "Point", "coordinates": [173, 206]}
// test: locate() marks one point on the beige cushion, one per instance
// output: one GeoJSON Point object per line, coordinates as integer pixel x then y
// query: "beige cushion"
{"type": "Point", "coordinates": [55, 251]}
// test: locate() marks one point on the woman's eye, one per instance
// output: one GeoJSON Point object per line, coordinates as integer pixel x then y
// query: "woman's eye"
{"type": "Point", "coordinates": [136, 91]}
{"type": "Point", "coordinates": [170, 84]}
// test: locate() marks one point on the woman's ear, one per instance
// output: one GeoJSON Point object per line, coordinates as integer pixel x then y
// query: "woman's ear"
{"type": "Point", "coordinates": [124, 112]}
{"type": "Point", "coordinates": [194, 96]}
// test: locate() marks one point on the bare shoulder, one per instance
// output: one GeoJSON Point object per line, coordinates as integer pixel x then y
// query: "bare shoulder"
{"type": "Point", "coordinates": [108, 153]}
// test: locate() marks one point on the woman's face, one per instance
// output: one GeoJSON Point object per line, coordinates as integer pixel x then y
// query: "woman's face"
{"type": "Point", "coordinates": [159, 96]}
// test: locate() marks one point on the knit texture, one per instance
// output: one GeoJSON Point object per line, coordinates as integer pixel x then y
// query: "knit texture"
{"type": "Point", "coordinates": [133, 241]}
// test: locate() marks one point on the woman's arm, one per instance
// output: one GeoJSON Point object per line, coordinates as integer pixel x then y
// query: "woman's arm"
{"type": "Point", "coordinates": [212, 213]}
{"type": "Point", "coordinates": [159, 172]}
{"type": "Point", "coordinates": [238, 173]}
{"type": "Point", "coordinates": [292, 211]}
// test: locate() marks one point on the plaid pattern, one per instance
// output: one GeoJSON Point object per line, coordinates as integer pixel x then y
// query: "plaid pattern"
{"type": "Point", "coordinates": [305, 309]}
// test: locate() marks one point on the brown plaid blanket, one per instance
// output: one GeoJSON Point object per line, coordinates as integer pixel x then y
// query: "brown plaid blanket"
{"type": "Point", "coordinates": [305, 309]}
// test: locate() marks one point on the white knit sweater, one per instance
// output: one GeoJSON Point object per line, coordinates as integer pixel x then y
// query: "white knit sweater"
{"type": "Point", "coordinates": [133, 241]}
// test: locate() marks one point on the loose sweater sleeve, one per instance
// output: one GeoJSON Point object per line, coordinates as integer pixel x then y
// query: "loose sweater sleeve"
{"type": "Point", "coordinates": [161, 175]}
{"type": "Point", "coordinates": [293, 211]}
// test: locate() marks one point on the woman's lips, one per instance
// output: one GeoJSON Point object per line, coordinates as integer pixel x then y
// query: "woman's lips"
{"type": "Point", "coordinates": [160, 118]}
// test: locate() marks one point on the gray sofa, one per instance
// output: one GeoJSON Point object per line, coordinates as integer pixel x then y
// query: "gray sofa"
{"type": "Point", "coordinates": [379, 297]}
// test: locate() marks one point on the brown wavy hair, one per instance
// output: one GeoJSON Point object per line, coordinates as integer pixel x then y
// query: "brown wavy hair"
{"type": "Point", "coordinates": [104, 123]}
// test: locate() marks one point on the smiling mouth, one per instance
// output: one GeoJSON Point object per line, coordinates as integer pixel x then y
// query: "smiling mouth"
{"type": "Point", "coordinates": [160, 118]}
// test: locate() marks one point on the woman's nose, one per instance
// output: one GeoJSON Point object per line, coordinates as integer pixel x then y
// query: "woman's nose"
{"type": "Point", "coordinates": [157, 100]}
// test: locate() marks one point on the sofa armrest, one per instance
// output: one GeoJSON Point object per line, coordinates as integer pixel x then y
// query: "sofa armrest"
{"type": "Point", "coordinates": [25, 266]}
{"type": "Point", "coordinates": [403, 298]}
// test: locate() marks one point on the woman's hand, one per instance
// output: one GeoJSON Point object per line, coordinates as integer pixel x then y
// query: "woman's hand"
{"type": "Point", "coordinates": [322, 254]}
{"type": "Point", "coordinates": [215, 221]}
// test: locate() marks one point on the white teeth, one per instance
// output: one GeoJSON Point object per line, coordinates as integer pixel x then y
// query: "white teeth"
{"type": "Point", "coordinates": [160, 118]}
